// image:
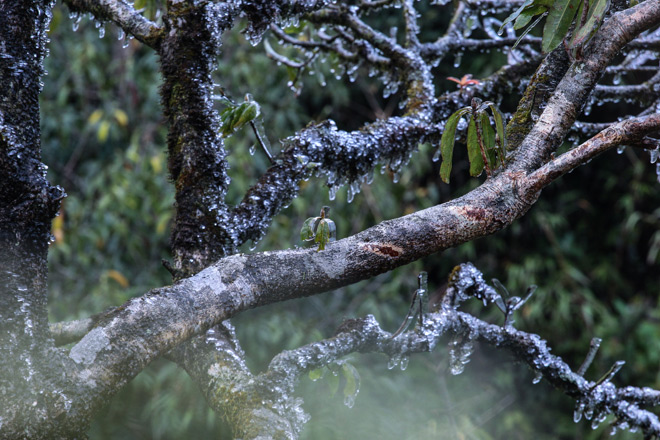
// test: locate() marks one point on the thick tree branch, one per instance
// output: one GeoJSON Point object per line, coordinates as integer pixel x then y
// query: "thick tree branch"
{"type": "Point", "coordinates": [146, 327]}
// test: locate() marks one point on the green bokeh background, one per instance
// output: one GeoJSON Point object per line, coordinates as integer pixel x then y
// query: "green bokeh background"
{"type": "Point", "coordinates": [591, 244]}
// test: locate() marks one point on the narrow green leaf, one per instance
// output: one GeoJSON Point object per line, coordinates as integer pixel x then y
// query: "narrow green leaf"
{"type": "Point", "coordinates": [527, 16]}
{"type": "Point", "coordinates": [595, 17]}
{"type": "Point", "coordinates": [501, 133]}
{"type": "Point", "coordinates": [559, 20]}
{"type": "Point", "coordinates": [529, 28]}
{"type": "Point", "coordinates": [447, 143]}
{"type": "Point", "coordinates": [322, 234]}
{"type": "Point", "coordinates": [474, 151]}
{"type": "Point", "coordinates": [514, 15]}
{"type": "Point", "coordinates": [488, 138]}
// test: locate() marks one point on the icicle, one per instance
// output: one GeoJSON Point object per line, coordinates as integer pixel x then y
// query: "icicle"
{"type": "Point", "coordinates": [654, 154]}
{"type": "Point", "coordinates": [577, 414]}
{"type": "Point", "coordinates": [457, 59]}
{"type": "Point", "coordinates": [393, 361]}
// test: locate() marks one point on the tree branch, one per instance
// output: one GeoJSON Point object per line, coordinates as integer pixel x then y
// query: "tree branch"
{"type": "Point", "coordinates": [594, 400]}
{"type": "Point", "coordinates": [124, 15]}
{"type": "Point", "coordinates": [574, 89]}
{"type": "Point", "coordinates": [630, 130]}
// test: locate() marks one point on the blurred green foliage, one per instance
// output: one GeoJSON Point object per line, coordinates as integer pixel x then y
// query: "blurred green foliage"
{"type": "Point", "coordinates": [591, 244]}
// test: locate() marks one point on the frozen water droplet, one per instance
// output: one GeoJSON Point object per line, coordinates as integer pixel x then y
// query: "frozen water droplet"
{"type": "Point", "coordinates": [577, 414]}
{"type": "Point", "coordinates": [657, 171]}
{"type": "Point", "coordinates": [332, 192]}
{"type": "Point", "coordinates": [349, 400]}
{"type": "Point", "coordinates": [537, 377]}
{"type": "Point", "coordinates": [404, 362]}
{"type": "Point", "coordinates": [393, 361]}
{"type": "Point", "coordinates": [616, 80]}
{"type": "Point", "coordinates": [457, 59]}
{"type": "Point", "coordinates": [253, 149]}
{"type": "Point", "coordinates": [436, 155]}
{"type": "Point", "coordinates": [620, 149]}
{"type": "Point", "coordinates": [457, 368]}
{"type": "Point", "coordinates": [654, 154]}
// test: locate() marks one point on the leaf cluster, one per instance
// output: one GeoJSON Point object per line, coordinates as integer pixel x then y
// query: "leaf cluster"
{"type": "Point", "coordinates": [485, 148]}
{"type": "Point", "coordinates": [320, 230]}
{"type": "Point", "coordinates": [561, 14]}
{"type": "Point", "coordinates": [234, 116]}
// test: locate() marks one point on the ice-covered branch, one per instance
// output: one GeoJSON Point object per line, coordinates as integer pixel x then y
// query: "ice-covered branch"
{"type": "Point", "coordinates": [124, 341]}
{"type": "Point", "coordinates": [622, 133]}
{"type": "Point", "coordinates": [123, 14]}
{"type": "Point", "coordinates": [348, 158]}
{"type": "Point", "coordinates": [594, 399]}
{"type": "Point", "coordinates": [644, 93]}
{"type": "Point", "coordinates": [573, 91]}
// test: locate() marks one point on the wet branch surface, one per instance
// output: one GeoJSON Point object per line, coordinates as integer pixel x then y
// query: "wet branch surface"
{"type": "Point", "coordinates": [187, 321]}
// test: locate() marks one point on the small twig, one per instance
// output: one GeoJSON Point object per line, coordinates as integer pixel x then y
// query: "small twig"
{"type": "Point", "coordinates": [593, 349]}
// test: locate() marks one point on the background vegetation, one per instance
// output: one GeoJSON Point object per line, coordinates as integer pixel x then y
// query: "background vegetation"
{"type": "Point", "coordinates": [591, 244]}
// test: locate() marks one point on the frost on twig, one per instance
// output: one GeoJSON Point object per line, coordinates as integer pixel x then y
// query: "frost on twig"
{"type": "Point", "coordinates": [595, 400]}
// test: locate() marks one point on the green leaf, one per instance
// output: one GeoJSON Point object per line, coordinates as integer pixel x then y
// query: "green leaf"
{"type": "Point", "coordinates": [234, 117]}
{"type": "Point", "coordinates": [474, 151]}
{"type": "Point", "coordinates": [529, 28]}
{"type": "Point", "coordinates": [322, 236]}
{"type": "Point", "coordinates": [103, 131]}
{"type": "Point", "coordinates": [595, 17]}
{"type": "Point", "coordinates": [501, 133]}
{"type": "Point", "coordinates": [488, 138]}
{"type": "Point", "coordinates": [447, 143]}
{"type": "Point", "coordinates": [527, 16]}
{"type": "Point", "coordinates": [559, 20]}
{"type": "Point", "coordinates": [307, 231]}
{"type": "Point", "coordinates": [514, 15]}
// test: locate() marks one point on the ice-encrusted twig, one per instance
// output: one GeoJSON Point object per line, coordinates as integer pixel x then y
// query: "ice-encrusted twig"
{"type": "Point", "coordinates": [124, 15]}
{"type": "Point", "coordinates": [594, 400]}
